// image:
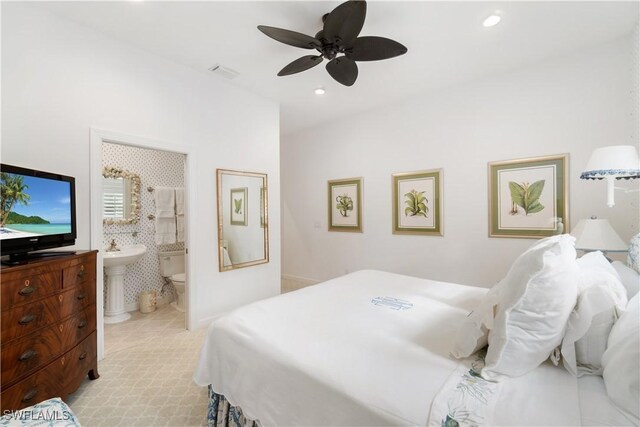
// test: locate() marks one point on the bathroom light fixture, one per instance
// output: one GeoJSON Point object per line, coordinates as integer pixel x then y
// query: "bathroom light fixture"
{"type": "Point", "coordinates": [611, 163]}
{"type": "Point", "coordinates": [492, 20]}
{"type": "Point", "coordinates": [319, 91]}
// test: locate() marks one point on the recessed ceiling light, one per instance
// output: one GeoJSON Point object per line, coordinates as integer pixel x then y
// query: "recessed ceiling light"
{"type": "Point", "coordinates": [319, 91]}
{"type": "Point", "coordinates": [492, 20]}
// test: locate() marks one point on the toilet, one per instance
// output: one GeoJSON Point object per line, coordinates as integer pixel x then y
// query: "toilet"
{"type": "Point", "coordinates": [172, 268]}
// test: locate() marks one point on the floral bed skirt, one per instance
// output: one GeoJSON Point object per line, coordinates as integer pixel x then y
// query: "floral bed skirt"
{"type": "Point", "coordinates": [221, 413]}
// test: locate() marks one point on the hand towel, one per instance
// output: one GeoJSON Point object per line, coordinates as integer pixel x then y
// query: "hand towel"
{"type": "Point", "coordinates": [165, 215]}
{"type": "Point", "coordinates": [180, 213]}
{"type": "Point", "coordinates": [179, 201]}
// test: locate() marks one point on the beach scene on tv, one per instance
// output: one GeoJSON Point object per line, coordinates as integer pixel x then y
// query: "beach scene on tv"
{"type": "Point", "coordinates": [31, 206]}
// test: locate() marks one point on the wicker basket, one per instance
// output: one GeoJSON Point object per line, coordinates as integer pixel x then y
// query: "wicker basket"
{"type": "Point", "coordinates": [148, 301]}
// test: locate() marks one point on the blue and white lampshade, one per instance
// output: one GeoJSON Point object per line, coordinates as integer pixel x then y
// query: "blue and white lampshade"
{"type": "Point", "coordinates": [611, 163]}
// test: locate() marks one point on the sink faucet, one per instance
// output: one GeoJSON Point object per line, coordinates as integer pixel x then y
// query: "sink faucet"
{"type": "Point", "coordinates": [112, 247]}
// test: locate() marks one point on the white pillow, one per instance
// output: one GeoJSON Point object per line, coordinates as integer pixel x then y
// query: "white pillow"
{"type": "Point", "coordinates": [474, 329]}
{"type": "Point", "coordinates": [621, 361]}
{"type": "Point", "coordinates": [601, 296]}
{"type": "Point", "coordinates": [629, 278]}
{"type": "Point", "coordinates": [535, 300]}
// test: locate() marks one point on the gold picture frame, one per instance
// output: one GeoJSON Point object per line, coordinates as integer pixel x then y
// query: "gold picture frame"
{"type": "Point", "coordinates": [529, 198]}
{"type": "Point", "coordinates": [238, 206]}
{"type": "Point", "coordinates": [345, 204]}
{"type": "Point", "coordinates": [417, 202]}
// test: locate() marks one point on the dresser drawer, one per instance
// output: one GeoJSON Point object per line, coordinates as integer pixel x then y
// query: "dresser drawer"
{"type": "Point", "coordinates": [24, 356]}
{"type": "Point", "coordinates": [78, 327]}
{"type": "Point", "coordinates": [22, 320]}
{"type": "Point", "coordinates": [77, 298]}
{"type": "Point", "coordinates": [40, 386]}
{"type": "Point", "coordinates": [83, 272]}
{"type": "Point", "coordinates": [79, 361]}
{"type": "Point", "coordinates": [28, 288]}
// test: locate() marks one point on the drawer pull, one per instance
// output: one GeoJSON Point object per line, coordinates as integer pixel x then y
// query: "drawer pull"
{"type": "Point", "coordinates": [30, 395]}
{"type": "Point", "coordinates": [81, 274]}
{"type": "Point", "coordinates": [81, 296]}
{"type": "Point", "coordinates": [27, 319]}
{"type": "Point", "coordinates": [82, 324]}
{"type": "Point", "coordinates": [83, 356]}
{"type": "Point", "coordinates": [27, 355]}
{"type": "Point", "coordinates": [26, 291]}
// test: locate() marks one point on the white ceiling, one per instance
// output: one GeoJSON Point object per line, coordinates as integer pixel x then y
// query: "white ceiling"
{"type": "Point", "coordinates": [446, 41]}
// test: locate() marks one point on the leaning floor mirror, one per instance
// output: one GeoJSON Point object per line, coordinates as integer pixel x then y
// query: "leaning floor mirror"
{"type": "Point", "coordinates": [243, 228]}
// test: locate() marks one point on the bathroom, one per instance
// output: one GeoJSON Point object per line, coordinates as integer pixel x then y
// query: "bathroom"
{"type": "Point", "coordinates": [133, 216]}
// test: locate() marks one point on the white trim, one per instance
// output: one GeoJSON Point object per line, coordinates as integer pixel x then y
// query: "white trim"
{"type": "Point", "coordinates": [290, 283]}
{"type": "Point", "coordinates": [97, 137]}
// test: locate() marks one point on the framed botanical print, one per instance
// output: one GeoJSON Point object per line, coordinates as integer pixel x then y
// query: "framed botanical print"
{"type": "Point", "coordinates": [417, 202]}
{"type": "Point", "coordinates": [239, 206]}
{"type": "Point", "coordinates": [528, 198]}
{"type": "Point", "coordinates": [345, 205]}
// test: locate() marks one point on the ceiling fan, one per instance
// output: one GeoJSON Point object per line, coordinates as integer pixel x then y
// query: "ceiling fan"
{"type": "Point", "coordinates": [338, 42]}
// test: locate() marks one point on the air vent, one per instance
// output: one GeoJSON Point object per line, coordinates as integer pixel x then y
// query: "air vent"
{"type": "Point", "coordinates": [225, 72]}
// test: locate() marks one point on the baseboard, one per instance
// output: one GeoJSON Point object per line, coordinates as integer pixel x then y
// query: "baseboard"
{"type": "Point", "coordinates": [290, 283]}
{"type": "Point", "coordinates": [160, 301]}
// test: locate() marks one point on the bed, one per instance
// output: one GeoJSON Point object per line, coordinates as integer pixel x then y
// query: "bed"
{"type": "Point", "coordinates": [373, 348]}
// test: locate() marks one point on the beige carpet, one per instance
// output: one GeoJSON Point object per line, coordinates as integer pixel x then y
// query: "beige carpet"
{"type": "Point", "coordinates": [146, 375]}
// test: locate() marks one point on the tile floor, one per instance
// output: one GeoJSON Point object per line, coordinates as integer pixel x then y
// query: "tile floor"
{"type": "Point", "coordinates": [146, 375]}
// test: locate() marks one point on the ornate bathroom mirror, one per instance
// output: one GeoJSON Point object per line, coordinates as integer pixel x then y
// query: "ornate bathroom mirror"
{"type": "Point", "coordinates": [120, 196]}
{"type": "Point", "coordinates": [243, 229]}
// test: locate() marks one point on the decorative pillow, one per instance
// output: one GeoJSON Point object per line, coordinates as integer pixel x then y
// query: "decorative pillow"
{"type": "Point", "coordinates": [633, 257]}
{"type": "Point", "coordinates": [621, 361]}
{"type": "Point", "coordinates": [601, 296]}
{"type": "Point", "coordinates": [629, 278]}
{"type": "Point", "coordinates": [474, 330]}
{"type": "Point", "coordinates": [535, 300]}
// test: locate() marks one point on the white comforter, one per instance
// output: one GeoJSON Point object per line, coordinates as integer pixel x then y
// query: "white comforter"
{"type": "Point", "coordinates": [328, 355]}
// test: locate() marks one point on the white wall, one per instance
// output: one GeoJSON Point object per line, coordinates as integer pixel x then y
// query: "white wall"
{"type": "Point", "coordinates": [59, 79]}
{"type": "Point", "coordinates": [568, 105]}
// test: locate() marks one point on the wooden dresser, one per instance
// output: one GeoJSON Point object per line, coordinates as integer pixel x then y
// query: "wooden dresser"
{"type": "Point", "coordinates": [48, 328]}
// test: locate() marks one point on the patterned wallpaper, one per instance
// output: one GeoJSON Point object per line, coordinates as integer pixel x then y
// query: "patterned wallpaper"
{"type": "Point", "coordinates": [156, 168]}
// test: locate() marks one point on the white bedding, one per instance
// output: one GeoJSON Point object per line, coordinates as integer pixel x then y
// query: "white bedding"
{"type": "Point", "coordinates": [337, 354]}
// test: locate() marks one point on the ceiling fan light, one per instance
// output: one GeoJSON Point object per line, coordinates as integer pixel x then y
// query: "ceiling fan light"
{"type": "Point", "coordinates": [492, 20]}
{"type": "Point", "coordinates": [319, 91]}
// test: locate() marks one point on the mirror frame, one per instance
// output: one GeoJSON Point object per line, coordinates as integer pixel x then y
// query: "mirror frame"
{"type": "Point", "coordinates": [264, 218]}
{"type": "Point", "coordinates": [116, 172]}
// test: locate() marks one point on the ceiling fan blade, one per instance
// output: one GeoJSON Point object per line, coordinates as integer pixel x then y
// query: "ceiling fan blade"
{"type": "Point", "coordinates": [290, 37]}
{"type": "Point", "coordinates": [345, 21]}
{"type": "Point", "coordinates": [301, 64]}
{"type": "Point", "coordinates": [343, 70]}
{"type": "Point", "coordinates": [374, 49]}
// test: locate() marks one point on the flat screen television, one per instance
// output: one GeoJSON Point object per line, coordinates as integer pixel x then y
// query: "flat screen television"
{"type": "Point", "coordinates": [37, 211]}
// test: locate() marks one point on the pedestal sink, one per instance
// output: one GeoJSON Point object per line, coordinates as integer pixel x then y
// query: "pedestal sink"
{"type": "Point", "coordinates": [115, 265]}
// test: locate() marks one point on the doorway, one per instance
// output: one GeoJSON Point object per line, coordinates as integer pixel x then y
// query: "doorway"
{"type": "Point", "coordinates": [159, 165]}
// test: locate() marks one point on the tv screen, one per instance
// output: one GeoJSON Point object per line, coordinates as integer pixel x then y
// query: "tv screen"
{"type": "Point", "coordinates": [37, 210]}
